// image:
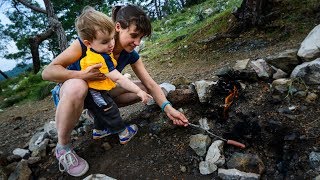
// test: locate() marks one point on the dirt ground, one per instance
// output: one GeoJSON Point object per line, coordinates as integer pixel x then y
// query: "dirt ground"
{"type": "Point", "coordinates": [282, 142]}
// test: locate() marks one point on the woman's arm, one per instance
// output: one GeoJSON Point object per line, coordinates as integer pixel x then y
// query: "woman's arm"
{"type": "Point", "coordinates": [56, 71]}
{"type": "Point", "coordinates": [139, 69]}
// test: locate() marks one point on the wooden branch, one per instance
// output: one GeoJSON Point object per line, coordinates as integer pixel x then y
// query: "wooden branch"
{"type": "Point", "coordinates": [45, 35]}
{"type": "Point", "coordinates": [33, 7]}
{"type": "Point", "coordinates": [34, 47]}
{"type": "Point", "coordinates": [56, 24]}
{"type": "Point", "coordinates": [16, 7]}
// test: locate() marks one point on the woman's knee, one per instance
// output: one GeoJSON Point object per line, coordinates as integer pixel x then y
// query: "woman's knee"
{"type": "Point", "coordinates": [141, 86]}
{"type": "Point", "coordinates": [118, 91]}
{"type": "Point", "coordinates": [74, 89]}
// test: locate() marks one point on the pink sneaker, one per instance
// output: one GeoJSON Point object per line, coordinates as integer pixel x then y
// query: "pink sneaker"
{"type": "Point", "coordinates": [69, 161]}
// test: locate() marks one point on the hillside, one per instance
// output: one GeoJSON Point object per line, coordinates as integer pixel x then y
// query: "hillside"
{"type": "Point", "coordinates": [176, 54]}
{"type": "Point", "coordinates": [16, 71]}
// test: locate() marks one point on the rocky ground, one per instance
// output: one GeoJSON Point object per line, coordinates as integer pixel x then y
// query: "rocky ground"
{"type": "Point", "coordinates": [281, 132]}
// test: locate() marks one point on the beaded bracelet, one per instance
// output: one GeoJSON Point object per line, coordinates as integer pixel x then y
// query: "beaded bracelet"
{"type": "Point", "coordinates": [164, 104]}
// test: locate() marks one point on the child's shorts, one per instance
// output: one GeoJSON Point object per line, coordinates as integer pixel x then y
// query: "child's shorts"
{"type": "Point", "coordinates": [105, 117]}
{"type": "Point", "coordinates": [55, 94]}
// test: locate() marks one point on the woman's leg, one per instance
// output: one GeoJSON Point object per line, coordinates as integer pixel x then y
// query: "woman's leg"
{"type": "Point", "coordinates": [70, 106]}
{"type": "Point", "coordinates": [123, 97]}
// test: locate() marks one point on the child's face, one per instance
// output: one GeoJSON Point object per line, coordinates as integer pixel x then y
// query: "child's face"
{"type": "Point", "coordinates": [104, 42]}
{"type": "Point", "coordinates": [129, 38]}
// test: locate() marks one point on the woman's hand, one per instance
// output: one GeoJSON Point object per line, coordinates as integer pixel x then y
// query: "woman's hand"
{"type": "Point", "coordinates": [176, 116]}
{"type": "Point", "coordinates": [145, 97]}
{"type": "Point", "coordinates": [92, 73]}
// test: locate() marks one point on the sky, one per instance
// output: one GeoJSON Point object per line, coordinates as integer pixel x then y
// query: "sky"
{"type": "Point", "coordinates": [6, 64]}
{"type": "Point", "coordinates": [9, 64]}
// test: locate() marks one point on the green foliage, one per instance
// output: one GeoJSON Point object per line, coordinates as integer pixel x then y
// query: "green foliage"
{"type": "Point", "coordinates": [42, 90]}
{"type": "Point", "coordinates": [176, 30]}
{"type": "Point", "coordinates": [26, 87]}
{"type": "Point", "coordinates": [69, 10]}
{"type": "Point", "coordinates": [297, 84]}
{"type": "Point", "coordinates": [200, 14]}
{"type": "Point", "coordinates": [10, 101]}
{"type": "Point", "coordinates": [296, 22]}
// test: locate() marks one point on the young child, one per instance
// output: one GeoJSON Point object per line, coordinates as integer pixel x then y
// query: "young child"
{"type": "Point", "coordinates": [96, 35]}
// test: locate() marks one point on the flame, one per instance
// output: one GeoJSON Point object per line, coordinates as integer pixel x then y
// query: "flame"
{"type": "Point", "coordinates": [229, 100]}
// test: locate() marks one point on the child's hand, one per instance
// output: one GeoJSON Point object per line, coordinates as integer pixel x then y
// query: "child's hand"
{"type": "Point", "coordinates": [145, 97]}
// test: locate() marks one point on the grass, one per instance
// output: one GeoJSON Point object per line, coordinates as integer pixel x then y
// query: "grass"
{"type": "Point", "coordinates": [296, 17]}
{"type": "Point", "coordinates": [178, 30]}
{"type": "Point", "coordinates": [25, 87]}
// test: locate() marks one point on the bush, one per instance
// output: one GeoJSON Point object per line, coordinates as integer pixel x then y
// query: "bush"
{"type": "Point", "coordinates": [26, 87]}
{"type": "Point", "coordinates": [13, 100]}
{"type": "Point", "coordinates": [43, 90]}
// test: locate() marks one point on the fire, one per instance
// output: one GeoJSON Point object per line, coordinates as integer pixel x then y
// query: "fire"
{"type": "Point", "coordinates": [229, 100]}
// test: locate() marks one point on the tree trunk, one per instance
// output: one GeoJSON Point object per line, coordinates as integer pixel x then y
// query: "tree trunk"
{"type": "Point", "coordinates": [54, 22]}
{"type": "Point", "coordinates": [252, 12]}
{"type": "Point", "coordinates": [34, 47]}
{"type": "Point", "coordinates": [4, 75]}
{"type": "Point", "coordinates": [157, 9]}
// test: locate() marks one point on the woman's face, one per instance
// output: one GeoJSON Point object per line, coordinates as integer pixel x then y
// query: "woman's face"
{"type": "Point", "coordinates": [129, 38]}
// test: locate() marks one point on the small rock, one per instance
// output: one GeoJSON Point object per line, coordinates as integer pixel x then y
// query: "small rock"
{"type": "Point", "coordinates": [311, 98]}
{"type": "Point", "coordinates": [14, 158]}
{"type": "Point", "coordinates": [199, 143]}
{"type": "Point", "coordinates": [183, 169]}
{"type": "Point", "coordinates": [229, 174]}
{"type": "Point", "coordinates": [23, 153]}
{"type": "Point", "coordinates": [33, 160]}
{"type": "Point", "coordinates": [106, 146]}
{"type": "Point", "coordinates": [22, 171]}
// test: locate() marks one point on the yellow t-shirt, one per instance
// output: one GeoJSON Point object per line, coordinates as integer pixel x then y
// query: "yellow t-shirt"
{"type": "Point", "coordinates": [108, 64]}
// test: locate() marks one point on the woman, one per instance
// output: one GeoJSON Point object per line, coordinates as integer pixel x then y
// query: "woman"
{"type": "Point", "coordinates": [131, 25]}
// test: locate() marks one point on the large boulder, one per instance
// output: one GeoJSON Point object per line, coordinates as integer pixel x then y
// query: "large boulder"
{"type": "Point", "coordinates": [310, 46]}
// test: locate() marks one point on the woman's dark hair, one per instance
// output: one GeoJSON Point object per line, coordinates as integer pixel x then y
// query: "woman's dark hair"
{"type": "Point", "coordinates": [129, 14]}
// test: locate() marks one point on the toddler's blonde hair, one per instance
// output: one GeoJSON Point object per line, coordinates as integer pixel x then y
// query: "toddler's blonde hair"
{"type": "Point", "coordinates": [91, 21]}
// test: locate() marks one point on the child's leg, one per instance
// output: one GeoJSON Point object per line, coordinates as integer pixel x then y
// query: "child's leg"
{"type": "Point", "coordinates": [97, 98]}
{"type": "Point", "coordinates": [107, 120]}
{"type": "Point", "coordinates": [105, 117]}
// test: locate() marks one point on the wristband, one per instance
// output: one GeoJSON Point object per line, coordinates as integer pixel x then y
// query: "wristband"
{"type": "Point", "coordinates": [164, 104]}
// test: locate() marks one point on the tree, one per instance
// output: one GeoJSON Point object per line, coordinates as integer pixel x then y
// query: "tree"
{"type": "Point", "coordinates": [54, 27]}
{"type": "Point", "coordinates": [4, 75]}
{"type": "Point", "coordinates": [35, 29]}
{"type": "Point", "coordinates": [43, 24]}
{"type": "Point", "coordinates": [158, 9]}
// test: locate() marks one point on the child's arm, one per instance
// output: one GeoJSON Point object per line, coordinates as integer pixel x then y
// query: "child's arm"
{"type": "Point", "coordinates": [125, 83]}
